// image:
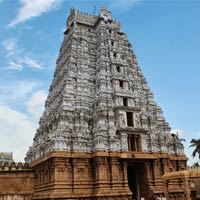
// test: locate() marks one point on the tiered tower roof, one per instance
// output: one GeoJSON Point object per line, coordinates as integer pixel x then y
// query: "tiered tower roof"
{"type": "Point", "coordinates": [99, 98]}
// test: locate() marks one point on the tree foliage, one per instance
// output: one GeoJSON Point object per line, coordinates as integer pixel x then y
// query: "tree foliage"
{"type": "Point", "coordinates": [196, 164]}
{"type": "Point", "coordinates": [196, 144]}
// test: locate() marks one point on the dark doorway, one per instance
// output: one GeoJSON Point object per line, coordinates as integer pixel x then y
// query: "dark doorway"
{"type": "Point", "coordinates": [137, 179]}
{"type": "Point", "coordinates": [132, 180]}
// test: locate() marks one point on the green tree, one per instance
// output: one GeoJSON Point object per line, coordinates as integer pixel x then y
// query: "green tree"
{"type": "Point", "coordinates": [196, 164]}
{"type": "Point", "coordinates": [196, 144]}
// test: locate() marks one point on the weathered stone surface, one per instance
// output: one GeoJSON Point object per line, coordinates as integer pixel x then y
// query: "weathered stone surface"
{"type": "Point", "coordinates": [17, 181]}
{"type": "Point", "coordinates": [101, 136]}
{"type": "Point", "coordinates": [99, 96]}
{"type": "Point", "coordinates": [185, 180]}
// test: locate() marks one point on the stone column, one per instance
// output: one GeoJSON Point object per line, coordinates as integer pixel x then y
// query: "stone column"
{"type": "Point", "coordinates": [156, 169]}
{"type": "Point", "coordinates": [187, 188]}
{"type": "Point", "coordinates": [166, 191]}
{"type": "Point", "coordinates": [101, 175]}
{"type": "Point", "coordinates": [165, 165]}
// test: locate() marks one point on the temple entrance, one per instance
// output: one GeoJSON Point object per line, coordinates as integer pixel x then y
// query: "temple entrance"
{"type": "Point", "coordinates": [133, 180]}
{"type": "Point", "coordinates": [137, 179]}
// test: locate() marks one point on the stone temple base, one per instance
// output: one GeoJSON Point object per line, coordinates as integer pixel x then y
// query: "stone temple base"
{"type": "Point", "coordinates": [81, 176]}
{"type": "Point", "coordinates": [97, 176]}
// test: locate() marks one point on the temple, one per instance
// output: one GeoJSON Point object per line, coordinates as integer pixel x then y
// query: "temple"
{"type": "Point", "coordinates": [102, 136]}
{"type": "Point", "coordinates": [6, 157]}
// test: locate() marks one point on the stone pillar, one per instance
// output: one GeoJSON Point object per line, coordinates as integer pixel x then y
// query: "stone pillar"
{"type": "Point", "coordinates": [115, 169]}
{"type": "Point", "coordinates": [101, 175]}
{"type": "Point", "coordinates": [165, 165]}
{"type": "Point", "coordinates": [156, 169]}
{"type": "Point", "coordinates": [110, 182]}
{"type": "Point", "coordinates": [148, 176]}
{"type": "Point", "coordinates": [124, 174]}
{"type": "Point", "coordinates": [166, 191]}
{"type": "Point", "coordinates": [147, 165]}
{"type": "Point", "coordinates": [187, 188]}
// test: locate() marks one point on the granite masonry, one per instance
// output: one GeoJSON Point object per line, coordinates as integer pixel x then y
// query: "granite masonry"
{"type": "Point", "coordinates": [102, 136]}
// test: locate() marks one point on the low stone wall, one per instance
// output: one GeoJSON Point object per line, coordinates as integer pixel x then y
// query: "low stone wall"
{"type": "Point", "coordinates": [16, 181]}
{"type": "Point", "coordinates": [15, 197]}
{"type": "Point", "coordinates": [185, 180]}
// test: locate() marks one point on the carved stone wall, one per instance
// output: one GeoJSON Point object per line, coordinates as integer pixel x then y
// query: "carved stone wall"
{"type": "Point", "coordinates": [182, 184]}
{"type": "Point", "coordinates": [101, 130]}
{"type": "Point", "coordinates": [98, 96]}
{"type": "Point", "coordinates": [81, 175]}
{"type": "Point", "coordinates": [16, 181]}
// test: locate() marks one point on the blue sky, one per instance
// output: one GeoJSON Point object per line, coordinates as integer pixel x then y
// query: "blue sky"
{"type": "Point", "coordinates": [165, 38]}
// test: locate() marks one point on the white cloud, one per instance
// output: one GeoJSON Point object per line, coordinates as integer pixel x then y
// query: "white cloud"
{"type": "Point", "coordinates": [17, 131]}
{"type": "Point", "coordinates": [19, 126]}
{"type": "Point", "coordinates": [10, 45]}
{"type": "Point", "coordinates": [20, 63]}
{"type": "Point", "coordinates": [17, 57]}
{"type": "Point", "coordinates": [29, 62]}
{"type": "Point", "coordinates": [35, 104]}
{"type": "Point", "coordinates": [14, 66]}
{"type": "Point", "coordinates": [123, 4]}
{"type": "Point", "coordinates": [34, 8]}
{"type": "Point", "coordinates": [17, 90]}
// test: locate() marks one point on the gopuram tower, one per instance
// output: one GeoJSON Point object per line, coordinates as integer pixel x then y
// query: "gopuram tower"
{"type": "Point", "coordinates": [101, 136]}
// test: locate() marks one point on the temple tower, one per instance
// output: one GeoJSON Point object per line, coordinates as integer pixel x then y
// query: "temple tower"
{"type": "Point", "coordinates": [101, 135]}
